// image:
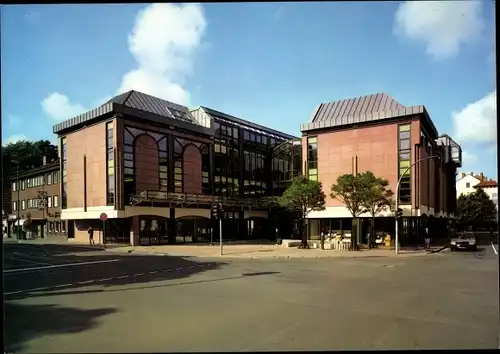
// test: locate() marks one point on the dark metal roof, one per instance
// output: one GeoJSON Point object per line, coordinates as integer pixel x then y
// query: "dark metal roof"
{"type": "Point", "coordinates": [246, 124]}
{"type": "Point", "coordinates": [362, 109]}
{"type": "Point", "coordinates": [151, 104]}
{"type": "Point", "coordinates": [354, 107]}
{"type": "Point", "coordinates": [135, 100]}
{"type": "Point", "coordinates": [50, 166]}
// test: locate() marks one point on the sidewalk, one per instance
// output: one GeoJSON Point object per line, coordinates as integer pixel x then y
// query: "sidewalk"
{"type": "Point", "coordinates": [260, 252]}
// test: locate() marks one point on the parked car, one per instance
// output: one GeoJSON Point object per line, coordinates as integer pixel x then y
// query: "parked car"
{"type": "Point", "coordinates": [465, 241]}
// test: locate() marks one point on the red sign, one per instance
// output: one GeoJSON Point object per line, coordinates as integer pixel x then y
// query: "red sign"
{"type": "Point", "coordinates": [103, 217]}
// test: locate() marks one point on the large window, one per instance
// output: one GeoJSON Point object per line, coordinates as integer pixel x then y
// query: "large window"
{"type": "Point", "coordinates": [404, 144]}
{"type": "Point", "coordinates": [110, 162]}
{"type": "Point", "coordinates": [227, 162]}
{"type": "Point", "coordinates": [254, 174]}
{"type": "Point", "coordinates": [312, 158]}
{"type": "Point", "coordinates": [64, 189]}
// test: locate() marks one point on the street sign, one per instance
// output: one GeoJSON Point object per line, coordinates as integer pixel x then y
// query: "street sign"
{"type": "Point", "coordinates": [103, 217]}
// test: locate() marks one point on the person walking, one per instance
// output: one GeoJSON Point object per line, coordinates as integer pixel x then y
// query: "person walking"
{"type": "Point", "coordinates": [427, 238]}
{"type": "Point", "coordinates": [91, 235]}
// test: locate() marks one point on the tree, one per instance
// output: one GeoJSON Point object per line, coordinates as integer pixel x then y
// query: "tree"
{"type": "Point", "coordinates": [302, 197]}
{"type": "Point", "coordinates": [475, 209]}
{"type": "Point", "coordinates": [350, 190]}
{"type": "Point", "coordinates": [28, 154]}
{"type": "Point", "coordinates": [376, 197]}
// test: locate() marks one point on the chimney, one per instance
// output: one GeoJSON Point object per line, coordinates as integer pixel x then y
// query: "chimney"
{"type": "Point", "coordinates": [481, 177]}
{"type": "Point", "coordinates": [44, 159]}
{"type": "Point", "coordinates": [463, 174]}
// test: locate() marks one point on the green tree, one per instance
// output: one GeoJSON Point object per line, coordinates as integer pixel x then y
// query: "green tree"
{"type": "Point", "coordinates": [302, 197]}
{"type": "Point", "coordinates": [475, 210]}
{"type": "Point", "coordinates": [377, 197]}
{"type": "Point", "coordinates": [350, 190]}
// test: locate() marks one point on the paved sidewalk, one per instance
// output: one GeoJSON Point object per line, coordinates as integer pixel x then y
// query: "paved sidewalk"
{"type": "Point", "coordinates": [260, 252]}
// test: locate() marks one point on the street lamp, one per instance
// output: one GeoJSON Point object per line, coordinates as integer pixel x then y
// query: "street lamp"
{"type": "Point", "coordinates": [18, 206]}
{"type": "Point", "coordinates": [397, 194]}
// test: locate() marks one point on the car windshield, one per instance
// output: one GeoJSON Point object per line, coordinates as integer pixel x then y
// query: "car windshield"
{"type": "Point", "coordinates": [465, 237]}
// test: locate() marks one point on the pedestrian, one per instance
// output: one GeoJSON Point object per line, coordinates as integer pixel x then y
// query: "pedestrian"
{"type": "Point", "coordinates": [427, 238]}
{"type": "Point", "coordinates": [91, 235]}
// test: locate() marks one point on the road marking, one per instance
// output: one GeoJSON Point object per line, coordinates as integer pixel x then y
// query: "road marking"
{"type": "Point", "coordinates": [104, 279]}
{"type": "Point", "coordinates": [58, 266]}
{"type": "Point", "coordinates": [93, 281]}
{"type": "Point", "coordinates": [494, 249]}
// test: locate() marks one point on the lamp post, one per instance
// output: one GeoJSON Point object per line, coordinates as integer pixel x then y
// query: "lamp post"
{"type": "Point", "coordinates": [397, 194]}
{"type": "Point", "coordinates": [18, 206]}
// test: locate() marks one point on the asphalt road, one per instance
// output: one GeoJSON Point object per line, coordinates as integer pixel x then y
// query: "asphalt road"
{"type": "Point", "coordinates": [131, 303]}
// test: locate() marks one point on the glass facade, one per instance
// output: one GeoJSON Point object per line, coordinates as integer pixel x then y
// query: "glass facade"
{"type": "Point", "coordinates": [312, 158]}
{"type": "Point", "coordinates": [404, 161]}
{"type": "Point", "coordinates": [110, 165]}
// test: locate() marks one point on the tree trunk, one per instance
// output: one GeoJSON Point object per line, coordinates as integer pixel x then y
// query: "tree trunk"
{"type": "Point", "coordinates": [371, 233]}
{"type": "Point", "coordinates": [304, 244]}
{"type": "Point", "coordinates": [354, 234]}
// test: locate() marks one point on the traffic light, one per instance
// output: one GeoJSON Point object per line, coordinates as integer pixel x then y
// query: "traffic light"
{"type": "Point", "coordinates": [399, 213]}
{"type": "Point", "coordinates": [220, 211]}
{"type": "Point", "coordinates": [215, 209]}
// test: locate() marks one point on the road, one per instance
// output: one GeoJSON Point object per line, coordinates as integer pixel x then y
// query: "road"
{"type": "Point", "coordinates": [95, 301]}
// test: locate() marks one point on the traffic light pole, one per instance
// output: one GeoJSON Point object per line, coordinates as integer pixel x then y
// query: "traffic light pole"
{"type": "Point", "coordinates": [220, 236]}
{"type": "Point", "coordinates": [396, 232]}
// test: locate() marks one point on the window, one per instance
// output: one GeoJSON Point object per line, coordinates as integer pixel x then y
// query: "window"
{"type": "Point", "coordinates": [56, 201]}
{"type": "Point", "coordinates": [30, 203]}
{"type": "Point", "coordinates": [14, 206]}
{"type": "Point", "coordinates": [64, 188]}
{"type": "Point", "coordinates": [467, 185]}
{"type": "Point", "coordinates": [23, 185]}
{"type": "Point", "coordinates": [110, 160]}
{"type": "Point", "coordinates": [14, 185]}
{"type": "Point", "coordinates": [56, 224]}
{"type": "Point", "coordinates": [23, 204]}
{"type": "Point", "coordinates": [49, 202]}
{"type": "Point", "coordinates": [312, 158]}
{"type": "Point", "coordinates": [404, 145]}
{"type": "Point", "coordinates": [63, 226]}
{"type": "Point", "coordinates": [49, 178]}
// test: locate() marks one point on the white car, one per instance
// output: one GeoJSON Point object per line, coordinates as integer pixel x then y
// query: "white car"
{"type": "Point", "coordinates": [466, 241]}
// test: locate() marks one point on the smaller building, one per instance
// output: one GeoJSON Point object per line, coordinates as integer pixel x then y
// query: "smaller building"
{"type": "Point", "coordinates": [469, 182]}
{"type": "Point", "coordinates": [35, 196]}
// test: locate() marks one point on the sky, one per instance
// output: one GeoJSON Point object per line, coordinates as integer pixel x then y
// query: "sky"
{"type": "Point", "coordinates": [271, 63]}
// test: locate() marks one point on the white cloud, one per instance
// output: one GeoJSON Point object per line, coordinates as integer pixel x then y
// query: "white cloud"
{"type": "Point", "coordinates": [14, 138]}
{"type": "Point", "coordinates": [163, 41]}
{"type": "Point", "coordinates": [476, 122]}
{"type": "Point", "coordinates": [442, 25]}
{"type": "Point", "coordinates": [59, 107]}
{"type": "Point", "coordinates": [468, 158]}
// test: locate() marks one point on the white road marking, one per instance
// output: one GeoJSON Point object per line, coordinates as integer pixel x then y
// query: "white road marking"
{"type": "Point", "coordinates": [105, 279]}
{"type": "Point", "coordinates": [88, 281]}
{"type": "Point", "coordinates": [494, 249]}
{"type": "Point", "coordinates": [58, 266]}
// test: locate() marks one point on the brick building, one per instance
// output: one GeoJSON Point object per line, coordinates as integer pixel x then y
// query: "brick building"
{"type": "Point", "coordinates": [376, 133]}
{"type": "Point", "coordinates": [155, 168]}
{"type": "Point", "coordinates": [35, 195]}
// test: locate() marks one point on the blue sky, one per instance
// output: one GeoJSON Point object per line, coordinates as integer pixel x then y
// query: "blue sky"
{"type": "Point", "coordinates": [271, 63]}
